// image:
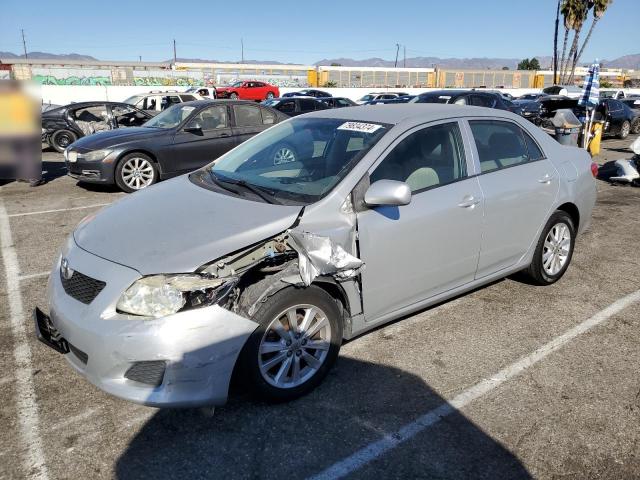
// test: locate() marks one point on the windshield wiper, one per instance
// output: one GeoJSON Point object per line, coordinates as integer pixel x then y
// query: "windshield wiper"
{"type": "Point", "coordinates": [262, 192]}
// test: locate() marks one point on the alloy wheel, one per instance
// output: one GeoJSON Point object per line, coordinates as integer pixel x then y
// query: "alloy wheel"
{"type": "Point", "coordinates": [137, 173]}
{"type": "Point", "coordinates": [557, 247]}
{"type": "Point", "coordinates": [284, 155]}
{"type": "Point", "coordinates": [625, 129]}
{"type": "Point", "coordinates": [294, 346]}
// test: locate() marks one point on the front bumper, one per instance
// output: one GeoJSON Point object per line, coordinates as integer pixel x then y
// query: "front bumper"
{"type": "Point", "coordinates": [198, 347]}
{"type": "Point", "coordinates": [93, 172]}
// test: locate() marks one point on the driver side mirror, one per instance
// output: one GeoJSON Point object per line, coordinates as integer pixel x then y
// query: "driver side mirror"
{"type": "Point", "coordinates": [194, 128]}
{"type": "Point", "coordinates": [387, 193]}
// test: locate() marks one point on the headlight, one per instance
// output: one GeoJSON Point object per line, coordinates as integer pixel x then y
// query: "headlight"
{"type": "Point", "coordinates": [94, 156]}
{"type": "Point", "coordinates": [161, 295]}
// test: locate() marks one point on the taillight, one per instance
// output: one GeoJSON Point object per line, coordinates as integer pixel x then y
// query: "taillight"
{"type": "Point", "coordinates": [594, 169]}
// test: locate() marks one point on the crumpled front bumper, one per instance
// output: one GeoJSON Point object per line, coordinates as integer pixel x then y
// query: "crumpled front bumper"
{"type": "Point", "coordinates": [199, 347]}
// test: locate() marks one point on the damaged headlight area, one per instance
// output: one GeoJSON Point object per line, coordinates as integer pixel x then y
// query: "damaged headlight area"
{"type": "Point", "coordinates": [160, 295]}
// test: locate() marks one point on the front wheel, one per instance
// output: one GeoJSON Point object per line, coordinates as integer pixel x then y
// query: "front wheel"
{"type": "Point", "coordinates": [624, 130]}
{"type": "Point", "coordinates": [233, 96]}
{"type": "Point", "coordinates": [135, 172]}
{"type": "Point", "coordinates": [554, 250]}
{"type": "Point", "coordinates": [296, 344]}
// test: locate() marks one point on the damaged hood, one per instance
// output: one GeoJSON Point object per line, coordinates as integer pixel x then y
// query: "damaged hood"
{"type": "Point", "coordinates": [113, 138]}
{"type": "Point", "coordinates": [176, 227]}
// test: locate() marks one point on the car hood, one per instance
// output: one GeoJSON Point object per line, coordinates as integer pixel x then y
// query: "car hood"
{"type": "Point", "coordinates": [113, 138]}
{"type": "Point", "coordinates": [177, 226]}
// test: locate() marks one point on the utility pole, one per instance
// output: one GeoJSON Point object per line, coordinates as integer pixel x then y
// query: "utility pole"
{"type": "Point", "coordinates": [395, 65]}
{"type": "Point", "coordinates": [404, 51]}
{"type": "Point", "coordinates": [242, 50]}
{"type": "Point", "coordinates": [140, 58]}
{"type": "Point", "coordinates": [24, 45]}
{"type": "Point", "coordinates": [175, 57]}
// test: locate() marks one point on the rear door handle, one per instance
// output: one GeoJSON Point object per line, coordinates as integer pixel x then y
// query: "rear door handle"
{"type": "Point", "coordinates": [469, 201]}
{"type": "Point", "coordinates": [546, 179]}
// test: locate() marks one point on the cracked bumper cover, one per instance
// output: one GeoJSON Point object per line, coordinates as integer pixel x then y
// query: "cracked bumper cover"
{"type": "Point", "coordinates": [199, 346]}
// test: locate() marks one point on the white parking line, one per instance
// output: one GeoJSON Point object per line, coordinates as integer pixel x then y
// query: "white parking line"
{"type": "Point", "coordinates": [57, 210]}
{"type": "Point", "coordinates": [374, 450]}
{"type": "Point", "coordinates": [26, 406]}
{"type": "Point", "coordinates": [33, 275]}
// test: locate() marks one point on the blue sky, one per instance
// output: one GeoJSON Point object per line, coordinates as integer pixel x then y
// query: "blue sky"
{"type": "Point", "coordinates": [291, 31]}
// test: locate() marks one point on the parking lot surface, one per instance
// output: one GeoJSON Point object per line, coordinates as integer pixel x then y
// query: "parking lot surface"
{"type": "Point", "coordinates": [487, 385]}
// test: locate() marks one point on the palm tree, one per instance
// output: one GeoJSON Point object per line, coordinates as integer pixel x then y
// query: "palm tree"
{"type": "Point", "coordinates": [599, 7]}
{"type": "Point", "coordinates": [569, 10]}
{"type": "Point", "coordinates": [581, 14]}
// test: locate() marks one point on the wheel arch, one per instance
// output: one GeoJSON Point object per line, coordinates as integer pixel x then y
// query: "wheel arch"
{"type": "Point", "coordinates": [572, 210]}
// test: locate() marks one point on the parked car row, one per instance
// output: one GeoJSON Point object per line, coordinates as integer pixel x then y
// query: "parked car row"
{"type": "Point", "coordinates": [619, 117]}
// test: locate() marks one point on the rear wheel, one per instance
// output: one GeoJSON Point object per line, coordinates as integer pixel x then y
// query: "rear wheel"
{"type": "Point", "coordinates": [296, 344]}
{"type": "Point", "coordinates": [635, 126]}
{"type": "Point", "coordinates": [61, 139]}
{"type": "Point", "coordinates": [135, 172]}
{"type": "Point", "coordinates": [554, 250]}
{"type": "Point", "coordinates": [270, 95]}
{"type": "Point", "coordinates": [624, 130]}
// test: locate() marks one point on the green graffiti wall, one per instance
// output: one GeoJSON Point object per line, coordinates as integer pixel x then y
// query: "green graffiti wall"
{"type": "Point", "coordinates": [71, 80]}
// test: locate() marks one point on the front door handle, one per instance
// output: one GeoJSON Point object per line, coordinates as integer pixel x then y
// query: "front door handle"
{"type": "Point", "coordinates": [224, 135]}
{"type": "Point", "coordinates": [469, 201]}
{"type": "Point", "coordinates": [545, 179]}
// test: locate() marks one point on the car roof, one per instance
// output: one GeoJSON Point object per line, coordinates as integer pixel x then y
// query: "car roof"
{"type": "Point", "coordinates": [412, 113]}
{"type": "Point", "coordinates": [202, 103]}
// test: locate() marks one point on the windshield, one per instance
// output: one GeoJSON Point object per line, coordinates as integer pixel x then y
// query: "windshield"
{"type": "Point", "coordinates": [237, 84]}
{"type": "Point", "coordinates": [133, 100]}
{"type": "Point", "coordinates": [366, 98]}
{"type": "Point", "coordinates": [299, 161]}
{"type": "Point", "coordinates": [607, 94]}
{"type": "Point", "coordinates": [171, 117]}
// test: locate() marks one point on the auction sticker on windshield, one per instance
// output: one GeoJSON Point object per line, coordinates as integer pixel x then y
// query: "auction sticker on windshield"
{"type": "Point", "coordinates": [359, 127]}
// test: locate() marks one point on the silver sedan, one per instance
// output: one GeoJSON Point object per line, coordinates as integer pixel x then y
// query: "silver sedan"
{"type": "Point", "coordinates": [315, 231]}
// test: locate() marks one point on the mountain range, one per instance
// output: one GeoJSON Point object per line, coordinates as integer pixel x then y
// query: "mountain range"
{"type": "Point", "coordinates": [630, 62]}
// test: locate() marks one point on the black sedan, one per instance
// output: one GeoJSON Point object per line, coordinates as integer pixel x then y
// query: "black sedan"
{"type": "Point", "coordinates": [468, 97]}
{"type": "Point", "coordinates": [294, 106]}
{"type": "Point", "coordinates": [337, 102]}
{"type": "Point", "coordinates": [64, 125]}
{"type": "Point", "coordinates": [308, 92]}
{"type": "Point", "coordinates": [180, 139]}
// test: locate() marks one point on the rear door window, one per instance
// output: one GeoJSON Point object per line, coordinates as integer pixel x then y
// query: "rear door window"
{"type": "Point", "coordinates": [307, 105]}
{"type": "Point", "coordinates": [247, 115]}
{"type": "Point", "coordinates": [268, 117]}
{"type": "Point", "coordinates": [500, 144]}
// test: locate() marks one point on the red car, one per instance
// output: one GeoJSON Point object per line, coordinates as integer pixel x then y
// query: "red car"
{"type": "Point", "coordinates": [249, 90]}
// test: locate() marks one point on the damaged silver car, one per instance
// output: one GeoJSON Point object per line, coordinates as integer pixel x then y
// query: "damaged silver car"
{"type": "Point", "coordinates": [322, 227]}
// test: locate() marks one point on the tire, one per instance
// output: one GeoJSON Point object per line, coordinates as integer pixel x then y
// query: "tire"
{"type": "Point", "coordinates": [542, 272]}
{"type": "Point", "coordinates": [233, 96]}
{"type": "Point", "coordinates": [271, 375]}
{"type": "Point", "coordinates": [270, 95]}
{"type": "Point", "coordinates": [136, 171]}
{"type": "Point", "coordinates": [624, 130]}
{"type": "Point", "coordinates": [61, 139]}
{"type": "Point", "coordinates": [284, 153]}
{"type": "Point", "coordinates": [635, 126]}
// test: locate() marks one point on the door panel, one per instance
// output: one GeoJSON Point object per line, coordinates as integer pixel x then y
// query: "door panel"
{"type": "Point", "coordinates": [419, 250]}
{"type": "Point", "coordinates": [431, 245]}
{"type": "Point", "coordinates": [519, 190]}
{"type": "Point", "coordinates": [193, 150]}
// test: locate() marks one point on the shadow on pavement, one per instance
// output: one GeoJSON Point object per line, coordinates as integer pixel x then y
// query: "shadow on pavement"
{"type": "Point", "coordinates": [357, 404]}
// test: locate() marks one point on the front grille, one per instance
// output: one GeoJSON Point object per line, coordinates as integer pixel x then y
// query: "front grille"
{"type": "Point", "coordinates": [83, 357]}
{"type": "Point", "coordinates": [81, 287]}
{"type": "Point", "coordinates": [150, 372]}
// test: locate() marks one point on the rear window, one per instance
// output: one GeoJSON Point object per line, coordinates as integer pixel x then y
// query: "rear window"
{"type": "Point", "coordinates": [500, 144]}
